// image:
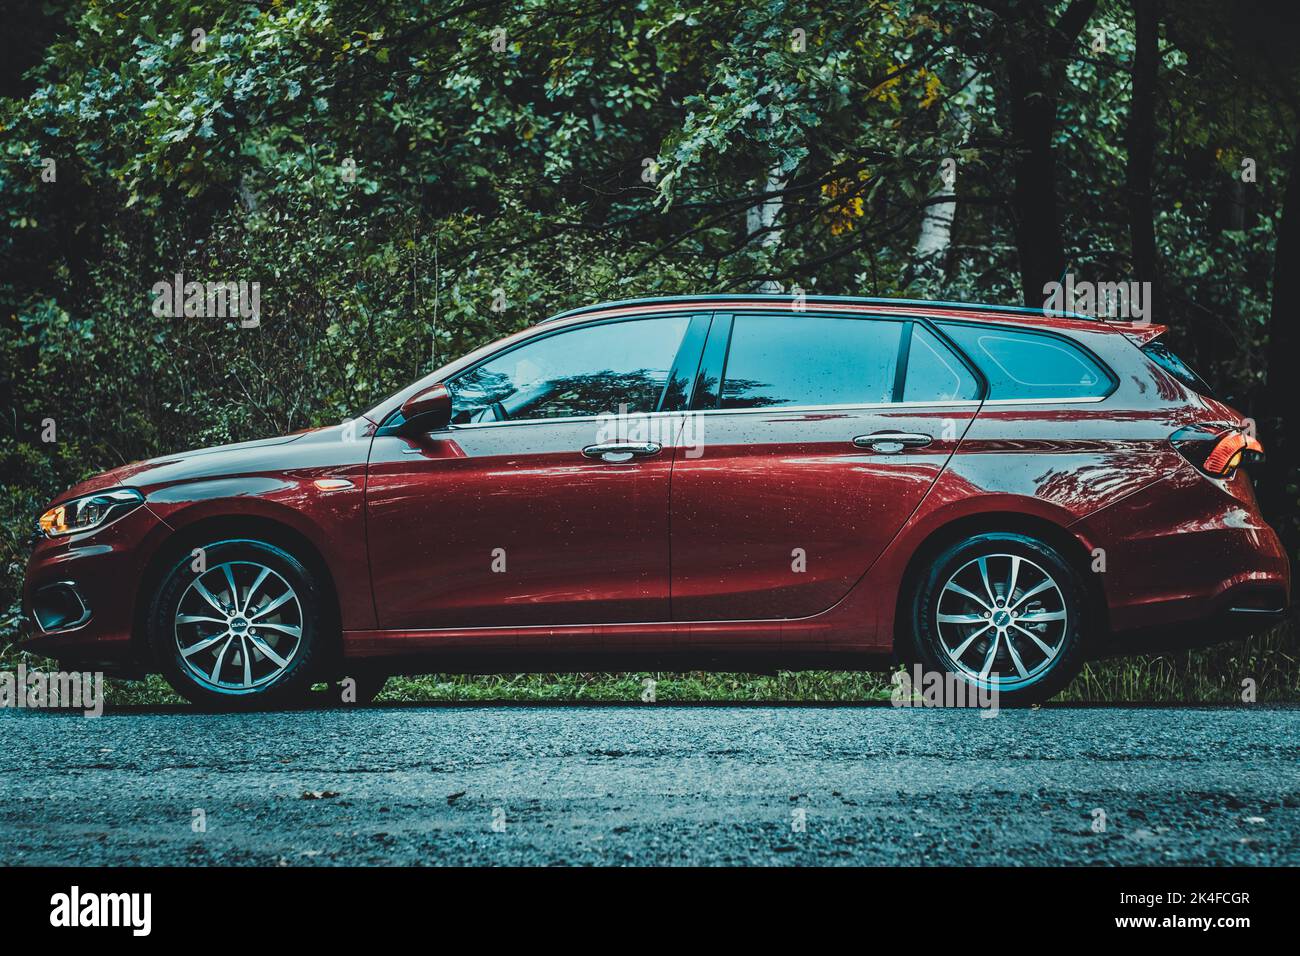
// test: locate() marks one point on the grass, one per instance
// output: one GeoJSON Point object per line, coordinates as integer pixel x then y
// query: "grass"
{"type": "Point", "coordinates": [1219, 674]}
{"type": "Point", "coordinates": [1206, 676]}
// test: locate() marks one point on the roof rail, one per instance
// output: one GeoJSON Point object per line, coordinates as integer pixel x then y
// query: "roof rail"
{"type": "Point", "coordinates": [813, 300]}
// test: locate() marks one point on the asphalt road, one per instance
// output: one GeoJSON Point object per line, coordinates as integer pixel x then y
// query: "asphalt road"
{"type": "Point", "coordinates": [652, 784]}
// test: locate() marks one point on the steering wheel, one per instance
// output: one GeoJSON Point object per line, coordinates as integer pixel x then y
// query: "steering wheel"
{"type": "Point", "coordinates": [499, 411]}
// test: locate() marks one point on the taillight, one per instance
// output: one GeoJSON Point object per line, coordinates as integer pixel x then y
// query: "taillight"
{"type": "Point", "coordinates": [1217, 450]}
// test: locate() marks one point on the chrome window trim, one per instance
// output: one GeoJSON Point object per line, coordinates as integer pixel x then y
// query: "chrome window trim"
{"type": "Point", "coordinates": [965, 403]}
{"type": "Point", "coordinates": [1079, 400]}
{"type": "Point", "coordinates": [933, 323]}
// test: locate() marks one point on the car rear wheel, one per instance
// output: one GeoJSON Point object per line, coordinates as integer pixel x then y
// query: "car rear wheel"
{"type": "Point", "coordinates": [238, 625]}
{"type": "Point", "coordinates": [1002, 613]}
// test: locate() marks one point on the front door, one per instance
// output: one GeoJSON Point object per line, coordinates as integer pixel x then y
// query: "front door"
{"type": "Point", "coordinates": [546, 501]}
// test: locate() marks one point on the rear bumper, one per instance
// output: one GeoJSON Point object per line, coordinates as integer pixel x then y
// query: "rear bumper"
{"type": "Point", "coordinates": [1188, 561]}
{"type": "Point", "coordinates": [1230, 624]}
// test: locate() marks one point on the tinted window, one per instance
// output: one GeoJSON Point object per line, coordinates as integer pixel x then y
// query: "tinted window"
{"type": "Point", "coordinates": [1029, 364]}
{"type": "Point", "coordinates": [1160, 353]}
{"type": "Point", "coordinates": [808, 360]}
{"type": "Point", "coordinates": [582, 372]}
{"type": "Point", "coordinates": [934, 373]}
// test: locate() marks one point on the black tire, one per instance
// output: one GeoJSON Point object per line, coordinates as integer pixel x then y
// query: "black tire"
{"type": "Point", "coordinates": [1019, 641]}
{"type": "Point", "coordinates": [183, 645]}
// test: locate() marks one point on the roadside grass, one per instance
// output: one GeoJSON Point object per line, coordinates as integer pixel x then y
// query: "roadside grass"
{"type": "Point", "coordinates": [805, 686]}
{"type": "Point", "coordinates": [1212, 675]}
{"type": "Point", "coordinates": [1270, 662]}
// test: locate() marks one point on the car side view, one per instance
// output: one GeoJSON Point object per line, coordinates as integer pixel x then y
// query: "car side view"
{"type": "Point", "coordinates": [706, 482]}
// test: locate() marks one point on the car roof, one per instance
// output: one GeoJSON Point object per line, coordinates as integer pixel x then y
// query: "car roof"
{"type": "Point", "coordinates": [929, 308]}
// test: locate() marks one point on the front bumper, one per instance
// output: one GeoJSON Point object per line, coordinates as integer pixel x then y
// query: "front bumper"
{"type": "Point", "coordinates": [80, 592]}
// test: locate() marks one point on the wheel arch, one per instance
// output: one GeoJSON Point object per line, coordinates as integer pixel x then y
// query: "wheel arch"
{"type": "Point", "coordinates": [1075, 550]}
{"type": "Point", "coordinates": [228, 527]}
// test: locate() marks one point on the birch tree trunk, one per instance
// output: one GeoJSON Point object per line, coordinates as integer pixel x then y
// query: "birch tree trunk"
{"type": "Point", "coordinates": [930, 256]}
{"type": "Point", "coordinates": [763, 216]}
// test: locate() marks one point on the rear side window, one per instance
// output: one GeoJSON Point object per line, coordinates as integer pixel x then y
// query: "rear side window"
{"type": "Point", "coordinates": [1030, 365]}
{"type": "Point", "coordinates": [934, 373]}
{"type": "Point", "coordinates": [779, 360]}
{"type": "Point", "coordinates": [1160, 353]}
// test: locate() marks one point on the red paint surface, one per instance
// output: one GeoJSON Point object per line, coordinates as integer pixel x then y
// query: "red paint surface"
{"type": "Point", "coordinates": [685, 554]}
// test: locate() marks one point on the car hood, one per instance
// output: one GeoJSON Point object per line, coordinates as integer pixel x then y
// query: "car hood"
{"type": "Point", "coordinates": [187, 464]}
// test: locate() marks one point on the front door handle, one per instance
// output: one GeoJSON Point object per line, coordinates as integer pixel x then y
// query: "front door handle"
{"type": "Point", "coordinates": [618, 452]}
{"type": "Point", "coordinates": [891, 443]}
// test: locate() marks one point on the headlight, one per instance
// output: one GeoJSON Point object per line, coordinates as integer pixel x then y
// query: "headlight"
{"type": "Point", "coordinates": [83, 514]}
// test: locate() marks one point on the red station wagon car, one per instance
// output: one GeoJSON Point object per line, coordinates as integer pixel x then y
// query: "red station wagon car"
{"type": "Point", "coordinates": [711, 482]}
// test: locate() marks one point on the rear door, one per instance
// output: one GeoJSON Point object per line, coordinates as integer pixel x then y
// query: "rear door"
{"type": "Point", "coordinates": [813, 439]}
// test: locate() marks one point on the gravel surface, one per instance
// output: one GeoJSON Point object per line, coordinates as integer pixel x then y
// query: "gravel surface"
{"type": "Point", "coordinates": [653, 784]}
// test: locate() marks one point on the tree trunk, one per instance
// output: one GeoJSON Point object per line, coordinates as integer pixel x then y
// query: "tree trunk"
{"type": "Point", "coordinates": [1141, 152]}
{"type": "Point", "coordinates": [763, 216]}
{"type": "Point", "coordinates": [1035, 71]}
{"type": "Point", "coordinates": [1033, 199]}
{"type": "Point", "coordinates": [930, 257]}
{"type": "Point", "coordinates": [1282, 440]}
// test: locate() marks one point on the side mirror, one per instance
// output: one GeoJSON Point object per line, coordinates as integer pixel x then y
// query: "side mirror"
{"type": "Point", "coordinates": [427, 411]}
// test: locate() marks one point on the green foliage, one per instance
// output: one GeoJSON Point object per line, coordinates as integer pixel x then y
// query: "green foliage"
{"type": "Point", "coordinates": [383, 169]}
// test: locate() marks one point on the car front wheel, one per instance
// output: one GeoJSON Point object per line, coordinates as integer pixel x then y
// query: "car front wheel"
{"type": "Point", "coordinates": [237, 625]}
{"type": "Point", "coordinates": [1002, 613]}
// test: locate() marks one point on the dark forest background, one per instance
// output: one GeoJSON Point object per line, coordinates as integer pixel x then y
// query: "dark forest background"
{"type": "Point", "coordinates": [408, 180]}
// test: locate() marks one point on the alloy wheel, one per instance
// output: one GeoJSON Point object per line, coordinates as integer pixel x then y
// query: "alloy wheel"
{"type": "Point", "coordinates": [238, 626]}
{"type": "Point", "coordinates": [1002, 621]}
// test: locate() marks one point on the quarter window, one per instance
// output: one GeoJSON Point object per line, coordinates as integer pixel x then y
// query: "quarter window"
{"type": "Point", "coordinates": [1161, 354]}
{"type": "Point", "coordinates": [934, 373]}
{"type": "Point", "coordinates": [777, 360]}
{"type": "Point", "coordinates": [1030, 365]}
{"type": "Point", "coordinates": [581, 372]}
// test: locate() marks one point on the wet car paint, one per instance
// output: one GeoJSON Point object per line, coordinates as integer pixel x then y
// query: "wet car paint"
{"type": "Point", "coordinates": [686, 554]}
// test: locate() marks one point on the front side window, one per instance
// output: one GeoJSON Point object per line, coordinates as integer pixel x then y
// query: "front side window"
{"type": "Point", "coordinates": [1030, 365]}
{"type": "Point", "coordinates": [777, 360]}
{"type": "Point", "coordinates": [577, 373]}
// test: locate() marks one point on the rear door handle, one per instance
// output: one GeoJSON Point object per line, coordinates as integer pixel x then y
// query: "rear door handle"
{"type": "Point", "coordinates": [891, 443]}
{"type": "Point", "coordinates": [618, 452]}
